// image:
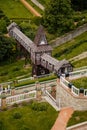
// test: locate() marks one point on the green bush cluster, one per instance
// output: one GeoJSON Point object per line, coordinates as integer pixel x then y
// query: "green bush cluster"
{"type": "Point", "coordinates": [17, 115]}
{"type": "Point", "coordinates": [15, 105]}
{"type": "Point", "coordinates": [39, 107]}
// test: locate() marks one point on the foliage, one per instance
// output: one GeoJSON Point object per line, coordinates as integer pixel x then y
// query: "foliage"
{"type": "Point", "coordinates": [71, 49]}
{"type": "Point", "coordinates": [2, 127]}
{"type": "Point", "coordinates": [24, 103]}
{"type": "Point", "coordinates": [78, 117]}
{"type": "Point", "coordinates": [17, 115]}
{"type": "Point", "coordinates": [4, 21]}
{"type": "Point", "coordinates": [79, 5]}
{"type": "Point", "coordinates": [28, 30]}
{"type": "Point", "coordinates": [15, 105]}
{"type": "Point", "coordinates": [58, 16]}
{"type": "Point", "coordinates": [3, 26]}
{"type": "Point", "coordinates": [38, 106]}
{"type": "Point", "coordinates": [30, 119]}
{"type": "Point", "coordinates": [35, 7]}
{"type": "Point", "coordinates": [8, 71]}
{"type": "Point", "coordinates": [24, 127]}
{"type": "Point", "coordinates": [7, 48]}
{"type": "Point", "coordinates": [80, 83]}
{"type": "Point", "coordinates": [34, 80]}
{"type": "Point", "coordinates": [83, 62]}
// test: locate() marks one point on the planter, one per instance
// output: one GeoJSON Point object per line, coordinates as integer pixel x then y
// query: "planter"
{"type": "Point", "coordinates": [70, 85]}
{"type": "Point", "coordinates": [81, 90]}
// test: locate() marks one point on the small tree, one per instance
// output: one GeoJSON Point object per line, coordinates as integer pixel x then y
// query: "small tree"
{"type": "Point", "coordinates": [58, 16]}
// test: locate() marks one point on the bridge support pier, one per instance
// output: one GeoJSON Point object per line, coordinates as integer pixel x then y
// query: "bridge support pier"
{"type": "Point", "coordinates": [39, 70]}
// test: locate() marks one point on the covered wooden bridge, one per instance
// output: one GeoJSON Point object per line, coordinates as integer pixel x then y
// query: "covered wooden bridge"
{"type": "Point", "coordinates": [40, 52]}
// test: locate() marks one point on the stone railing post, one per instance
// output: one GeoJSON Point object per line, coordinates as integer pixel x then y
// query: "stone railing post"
{"type": "Point", "coordinates": [3, 102]}
{"type": "Point", "coordinates": [38, 91]}
{"type": "Point", "coordinates": [13, 91]}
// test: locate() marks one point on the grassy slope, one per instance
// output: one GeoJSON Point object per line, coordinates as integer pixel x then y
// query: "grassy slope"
{"type": "Point", "coordinates": [80, 83]}
{"type": "Point", "coordinates": [14, 9]}
{"type": "Point", "coordinates": [43, 2]}
{"type": "Point", "coordinates": [32, 120]}
{"type": "Point", "coordinates": [72, 48]}
{"type": "Point", "coordinates": [35, 7]}
{"type": "Point", "coordinates": [78, 117]}
{"type": "Point", "coordinates": [13, 70]}
{"type": "Point", "coordinates": [81, 63]}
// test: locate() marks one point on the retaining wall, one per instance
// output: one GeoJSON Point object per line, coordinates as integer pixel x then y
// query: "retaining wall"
{"type": "Point", "coordinates": [66, 99]}
{"type": "Point", "coordinates": [69, 36]}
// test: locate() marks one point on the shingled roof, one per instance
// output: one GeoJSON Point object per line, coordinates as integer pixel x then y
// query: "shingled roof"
{"type": "Point", "coordinates": [58, 64]}
{"type": "Point", "coordinates": [40, 38]}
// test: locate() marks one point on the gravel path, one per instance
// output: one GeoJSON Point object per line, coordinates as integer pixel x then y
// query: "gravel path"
{"type": "Point", "coordinates": [30, 8]}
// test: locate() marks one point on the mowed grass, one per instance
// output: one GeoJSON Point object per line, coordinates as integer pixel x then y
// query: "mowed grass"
{"type": "Point", "coordinates": [79, 63]}
{"type": "Point", "coordinates": [77, 117]}
{"type": "Point", "coordinates": [35, 7]}
{"type": "Point", "coordinates": [14, 9]}
{"type": "Point", "coordinates": [72, 48]}
{"type": "Point", "coordinates": [43, 2]}
{"type": "Point", "coordinates": [80, 83]}
{"type": "Point", "coordinates": [28, 118]}
{"type": "Point", "coordinates": [13, 70]}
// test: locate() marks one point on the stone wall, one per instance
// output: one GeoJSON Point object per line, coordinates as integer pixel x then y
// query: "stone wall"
{"type": "Point", "coordinates": [66, 99]}
{"type": "Point", "coordinates": [69, 36]}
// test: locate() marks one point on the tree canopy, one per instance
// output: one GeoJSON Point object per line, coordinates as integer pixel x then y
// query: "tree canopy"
{"type": "Point", "coordinates": [58, 16]}
{"type": "Point", "coordinates": [7, 48]}
{"type": "Point", "coordinates": [79, 5]}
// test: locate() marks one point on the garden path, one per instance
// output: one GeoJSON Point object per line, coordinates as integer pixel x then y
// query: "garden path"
{"type": "Point", "coordinates": [30, 8]}
{"type": "Point", "coordinates": [63, 117]}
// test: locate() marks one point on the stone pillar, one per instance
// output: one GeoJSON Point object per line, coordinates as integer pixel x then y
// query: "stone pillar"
{"type": "Point", "coordinates": [12, 91]}
{"type": "Point", "coordinates": [53, 91]}
{"type": "Point", "coordinates": [39, 92]}
{"type": "Point", "coordinates": [3, 102]}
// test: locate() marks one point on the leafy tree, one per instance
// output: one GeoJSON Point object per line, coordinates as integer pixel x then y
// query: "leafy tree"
{"type": "Point", "coordinates": [2, 125]}
{"type": "Point", "coordinates": [7, 48]}
{"type": "Point", "coordinates": [79, 5]}
{"type": "Point", "coordinates": [3, 26]}
{"type": "Point", "coordinates": [58, 16]}
{"type": "Point", "coordinates": [28, 30]}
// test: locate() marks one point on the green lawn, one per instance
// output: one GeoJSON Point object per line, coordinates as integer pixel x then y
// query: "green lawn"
{"type": "Point", "coordinates": [80, 83]}
{"type": "Point", "coordinates": [78, 117]}
{"type": "Point", "coordinates": [43, 2]}
{"type": "Point", "coordinates": [80, 63]}
{"type": "Point", "coordinates": [35, 7]}
{"type": "Point", "coordinates": [26, 118]}
{"type": "Point", "coordinates": [14, 9]}
{"type": "Point", "coordinates": [72, 48]}
{"type": "Point", "coordinates": [13, 70]}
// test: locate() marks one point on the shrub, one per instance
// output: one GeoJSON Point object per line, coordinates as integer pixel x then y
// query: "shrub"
{"type": "Point", "coordinates": [17, 115]}
{"type": "Point", "coordinates": [24, 103]}
{"type": "Point", "coordinates": [4, 109]}
{"type": "Point", "coordinates": [4, 73]}
{"type": "Point", "coordinates": [15, 105]}
{"type": "Point", "coordinates": [16, 69]}
{"type": "Point", "coordinates": [2, 125]}
{"type": "Point", "coordinates": [24, 128]}
{"type": "Point", "coordinates": [39, 106]}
